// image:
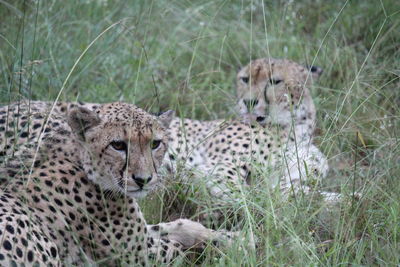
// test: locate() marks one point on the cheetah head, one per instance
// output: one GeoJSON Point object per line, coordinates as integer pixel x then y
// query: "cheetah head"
{"type": "Point", "coordinates": [121, 146]}
{"type": "Point", "coordinates": [276, 91]}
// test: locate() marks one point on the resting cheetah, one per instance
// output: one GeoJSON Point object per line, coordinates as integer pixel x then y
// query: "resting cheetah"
{"type": "Point", "coordinates": [227, 151]}
{"type": "Point", "coordinates": [276, 91]}
{"type": "Point", "coordinates": [74, 200]}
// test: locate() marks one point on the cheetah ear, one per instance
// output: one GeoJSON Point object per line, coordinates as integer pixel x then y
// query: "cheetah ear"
{"type": "Point", "coordinates": [166, 117]}
{"type": "Point", "coordinates": [81, 119]}
{"type": "Point", "coordinates": [315, 71]}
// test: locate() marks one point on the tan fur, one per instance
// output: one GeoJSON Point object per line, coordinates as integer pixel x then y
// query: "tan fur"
{"type": "Point", "coordinates": [280, 103]}
{"type": "Point", "coordinates": [72, 199]}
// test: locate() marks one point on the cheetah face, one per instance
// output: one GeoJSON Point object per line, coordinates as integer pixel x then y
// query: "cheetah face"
{"type": "Point", "coordinates": [273, 90]}
{"type": "Point", "coordinates": [123, 146]}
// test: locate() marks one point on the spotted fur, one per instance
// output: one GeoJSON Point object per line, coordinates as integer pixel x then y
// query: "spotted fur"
{"type": "Point", "coordinates": [274, 132]}
{"type": "Point", "coordinates": [277, 91]}
{"type": "Point", "coordinates": [225, 152]}
{"type": "Point", "coordinates": [73, 199]}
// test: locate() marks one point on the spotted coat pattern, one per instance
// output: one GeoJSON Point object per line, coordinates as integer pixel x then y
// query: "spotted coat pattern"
{"type": "Point", "coordinates": [276, 91]}
{"type": "Point", "coordinates": [68, 190]}
{"type": "Point", "coordinates": [274, 131]}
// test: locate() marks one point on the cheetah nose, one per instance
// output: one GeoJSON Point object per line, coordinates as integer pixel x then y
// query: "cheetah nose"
{"type": "Point", "coordinates": [260, 118]}
{"type": "Point", "coordinates": [141, 181]}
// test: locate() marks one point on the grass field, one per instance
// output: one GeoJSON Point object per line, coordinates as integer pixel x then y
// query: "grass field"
{"type": "Point", "coordinates": [183, 55]}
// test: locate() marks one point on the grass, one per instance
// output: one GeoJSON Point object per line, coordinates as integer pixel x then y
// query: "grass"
{"type": "Point", "coordinates": [183, 55]}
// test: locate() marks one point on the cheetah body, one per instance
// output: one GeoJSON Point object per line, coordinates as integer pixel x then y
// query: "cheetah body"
{"type": "Point", "coordinates": [274, 132]}
{"type": "Point", "coordinates": [72, 200]}
{"type": "Point", "coordinates": [226, 152]}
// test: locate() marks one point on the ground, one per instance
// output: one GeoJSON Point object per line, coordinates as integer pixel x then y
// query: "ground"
{"type": "Point", "coordinates": [184, 56]}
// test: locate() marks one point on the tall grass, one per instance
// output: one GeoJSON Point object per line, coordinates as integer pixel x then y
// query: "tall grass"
{"type": "Point", "coordinates": [183, 55]}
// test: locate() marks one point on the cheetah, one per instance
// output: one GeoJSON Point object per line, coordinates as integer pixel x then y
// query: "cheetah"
{"type": "Point", "coordinates": [276, 91]}
{"type": "Point", "coordinates": [224, 152]}
{"type": "Point", "coordinates": [73, 200]}
{"type": "Point", "coordinates": [227, 153]}
{"type": "Point", "coordinates": [274, 131]}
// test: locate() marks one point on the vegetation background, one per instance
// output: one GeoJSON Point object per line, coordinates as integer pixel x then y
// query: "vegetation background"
{"type": "Point", "coordinates": [183, 55]}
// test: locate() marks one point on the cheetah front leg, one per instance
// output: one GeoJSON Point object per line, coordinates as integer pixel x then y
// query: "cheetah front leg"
{"type": "Point", "coordinates": [162, 250]}
{"type": "Point", "coordinates": [305, 165]}
{"type": "Point", "coordinates": [189, 234]}
{"type": "Point", "coordinates": [295, 188]}
{"type": "Point", "coordinates": [167, 242]}
{"type": "Point", "coordinates": [224, 180]}
{"type": "Point", "coordinates": [226, 185]}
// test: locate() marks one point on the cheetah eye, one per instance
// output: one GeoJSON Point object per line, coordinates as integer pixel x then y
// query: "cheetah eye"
{"type": "Point", "coordinates": [245, 79]}
{"type": "Point", "coordinates": [155, 144]}
{"type": "Point", "coordinates": [119, 145]}
{"type": "Point", "coordinates": [275, 81]}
